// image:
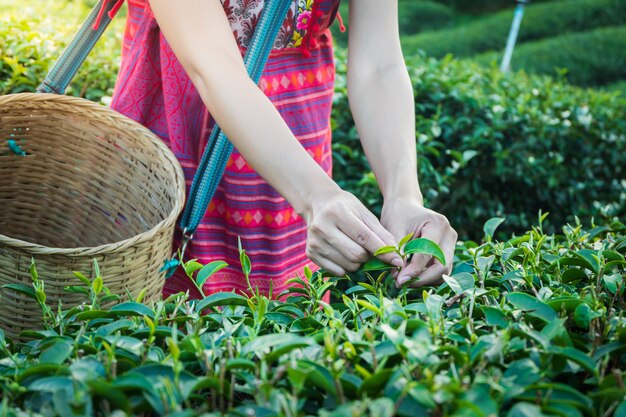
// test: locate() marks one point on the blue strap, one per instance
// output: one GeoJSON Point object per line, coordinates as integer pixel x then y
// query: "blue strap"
{"type": "Point", "coordinates": [219, 148]}
{"type": "Point", "coordinates": [65, 68]}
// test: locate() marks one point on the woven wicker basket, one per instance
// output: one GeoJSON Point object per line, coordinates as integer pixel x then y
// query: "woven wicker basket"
{"type": "Point", "coordinates": [93, 184]}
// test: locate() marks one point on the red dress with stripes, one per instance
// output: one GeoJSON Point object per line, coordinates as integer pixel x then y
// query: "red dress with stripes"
{"type": "Point", "coordinates": [153, 89]}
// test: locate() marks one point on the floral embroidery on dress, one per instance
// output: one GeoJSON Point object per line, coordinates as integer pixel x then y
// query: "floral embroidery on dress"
{"type": "Point", "coordinates": [244, 14]}
{"type": "Point", "coordinates": [303, 21]}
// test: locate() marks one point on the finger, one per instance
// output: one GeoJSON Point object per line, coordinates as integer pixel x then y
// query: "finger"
{"type": "Point", "coordinates": [431, 276]}
{"type": "Point", "coordinates": [340, 260]}
{"type": "Point", "coordinates": [348, 248]}
{"type": "Point", "coordinates": [331, 267]}
{"type": "Point", "coordinates": [410, 271]}
{"type": "Point", "coordinates": [365, 237]}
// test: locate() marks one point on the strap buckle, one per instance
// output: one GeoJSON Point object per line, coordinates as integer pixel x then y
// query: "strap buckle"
{"type": "Point", "coordinates": [170, 265]}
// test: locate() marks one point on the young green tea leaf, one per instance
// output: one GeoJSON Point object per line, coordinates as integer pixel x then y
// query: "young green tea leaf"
{"type": "Point", "coordinates": [375, 264]}
{"type": "Point", "coordinates": [221, 299]}
{"type": "Point", "coordinates": [405, 239]}
{"type": "Point", "coordinates": [208, 270]}
{"type": "Point", "coordinates": [385, 249]}
{"type": "Point", "coordinates": [132, 309]}
{"type": "Point", "coordinates": [82, 278]}
{"type": "Point", "coordinates": [425, 246]}
{"type": "Point", "coordinates": [532, 305]}
{"type": "Point", "coordinates": [22, 289]}
{"type": "Point", "coordinates": [491, 225]}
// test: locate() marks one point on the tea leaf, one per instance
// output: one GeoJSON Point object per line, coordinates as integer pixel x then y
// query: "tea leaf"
{"type": "Point", "coordinates": [208, 270]}
{"type": "Point", "coordinates": [57, 353]}
{"type": "Point", "coordinates": [97, 284]}
{"type": "Point", "coordinates": [191, 267]}
{"type": "Point", "coordinates": [82, 278]}
{"type": "Point", "coordinates": [385, 249]}
{"type": "Point", "coordinates": [375, 264]}
{"type": "Point", "coordinates": [427, 247]}
{"type": "Point", "coordinates": [525, 410]}
{"type": "Point", "coordinates": [132, 309]}
{"type": "Point", "coordinates": [405, 239]}
{"type": "Point", "coordinates": [491, 225]}
{"type": "Point", "coordinates": [22, 289]}
{"type": "Point", "coordinates": [532, 305]}
{"type": "Point", "coordinates": [221, 299]}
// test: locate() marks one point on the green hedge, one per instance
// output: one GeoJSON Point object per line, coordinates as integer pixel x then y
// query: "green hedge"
{"type": "Point", "coordinates": [531, 326]}
{"type": "Point", "coordinates": [414, 16]}
{"type": "Point", "coordinates": [589, 58]}
{"type": "Point", "coordinates": [31, 43]}
{"type": "Point", "coordinates": [418, 16]}
{"type": "Point", "coordinates": [480, 6]}
{"type": "Point", "coordinates": [617, 87]}
{"type": "Point", "coordinates": [496, 145]}
{"type": "Point", "coordinates": [540, 21]}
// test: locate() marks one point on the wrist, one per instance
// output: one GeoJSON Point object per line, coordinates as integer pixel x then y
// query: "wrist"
{"type": "Point", "coordinates": [306, 197]}
{"type": "Point", "coordinates": [413, 198]}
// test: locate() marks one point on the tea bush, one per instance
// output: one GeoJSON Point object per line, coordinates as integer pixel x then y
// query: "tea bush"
{"type": "Point", "coordinates": [30, 44]}
{"type": "Point", "coordinates": [418, 16]}
{"type": "Point", "coordinates": [532, 326]}
{"type": "Point", "coordinates": [480, 6]}
{"type": "Point", "coordinates": [490, 144]}
{"type": "Point", "coordinates": [603, 62]}
{"type": "Point", "coordinates": [540, 21]}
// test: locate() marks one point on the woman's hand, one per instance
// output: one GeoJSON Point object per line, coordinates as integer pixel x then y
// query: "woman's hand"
{"type": "Point", "coordinates": [343, 234]}
{"type": "Point", "coordinates": [402, 217]}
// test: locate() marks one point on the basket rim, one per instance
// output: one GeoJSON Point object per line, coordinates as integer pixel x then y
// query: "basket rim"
{"type": "Point", "coordinates": [90, 106]}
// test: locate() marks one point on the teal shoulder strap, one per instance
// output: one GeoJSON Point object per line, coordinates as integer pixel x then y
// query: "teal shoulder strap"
{"type": "Point", "coordinates": [66, 66]}
{"type": "Point", "coordinates": [219, 148]}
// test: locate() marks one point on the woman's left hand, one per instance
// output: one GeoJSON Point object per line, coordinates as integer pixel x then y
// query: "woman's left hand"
{"type": "Point", "coordinates": [404, 216]}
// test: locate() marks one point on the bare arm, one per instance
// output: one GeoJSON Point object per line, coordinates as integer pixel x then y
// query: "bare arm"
{"type": "Point", "coordinates": [341, 230]}
{"type": "Point", "coordinates": [382, 103]}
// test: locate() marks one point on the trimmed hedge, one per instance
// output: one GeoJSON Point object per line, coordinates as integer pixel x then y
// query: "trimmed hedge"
{"type": "Point", "coordinates": [414, 16]}
{"type": "Point", "coordinates": [501, 145]}
{"type": "Point", "coordinates": [618, 87]}
{"type": "Point", "coordinates": [540, 21]}
{"type": "Point", "coordinates": [602, 62]}
{"type": "Point", "coordinates": [530, 326]}
{"type": "Point", "coordinates": [418, 16]}
{"type": "Point", "coordinates": [480, 6]}
{"type": "Point", "coordinates": [30, 44]}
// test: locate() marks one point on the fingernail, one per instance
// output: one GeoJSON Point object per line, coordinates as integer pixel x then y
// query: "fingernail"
{"type": "Point", "coordinates": [397, 262]}
{"type": "Point", "coordinates": [403, 279]}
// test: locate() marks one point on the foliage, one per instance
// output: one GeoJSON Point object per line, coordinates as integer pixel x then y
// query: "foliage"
{"type": "Point", "coordinates": [30, 43]}
{"type": "Point", "coordinates": [414, 16]}
{"type": "Point", "coordinates": [602, 63]}
{"type": "Point", "coordinates": [418, 16]}
{"type": "Point", "coordinates": [540, 21]}
{"type": "Point", "coordinates": [532, 324]}
{"type": "Point", "coordinates": [490, 144]}
{"type": "Point", "coordinates": [480, 6]}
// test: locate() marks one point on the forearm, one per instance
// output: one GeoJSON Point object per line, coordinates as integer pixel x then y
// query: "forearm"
{"type": "Point", "coordinates": [206, 48]}
{"type": "Point", "coordinates": [259, 133]}
{"type": "Point", "coordinates": [382, 104]}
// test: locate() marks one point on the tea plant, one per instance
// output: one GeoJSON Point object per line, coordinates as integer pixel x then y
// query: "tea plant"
{"type": "Point", "coordinates": [529, 326]}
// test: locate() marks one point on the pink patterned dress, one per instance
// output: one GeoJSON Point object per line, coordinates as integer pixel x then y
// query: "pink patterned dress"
{"type": "Point", "coordinates": [153, 89]}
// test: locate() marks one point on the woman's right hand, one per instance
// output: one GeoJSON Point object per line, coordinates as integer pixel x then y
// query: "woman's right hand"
{"type": "Point", "coordinates": [343, 234]}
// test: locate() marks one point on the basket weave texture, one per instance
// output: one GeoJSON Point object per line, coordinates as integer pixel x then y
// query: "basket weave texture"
{"type": "Point", "coordinates": [93, 184]}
